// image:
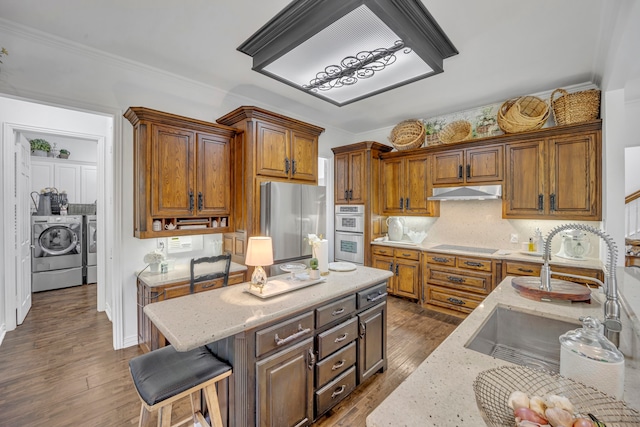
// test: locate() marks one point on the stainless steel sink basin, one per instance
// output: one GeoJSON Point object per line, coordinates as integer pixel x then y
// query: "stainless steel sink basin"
{"type": "Point", "coordinates": [521, 338]}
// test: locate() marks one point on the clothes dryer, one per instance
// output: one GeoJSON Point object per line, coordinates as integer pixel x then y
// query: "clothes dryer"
{"type": "Point", "coordinates": [56, 258]}
{"type": "Point", "coordinates": [90, 249]}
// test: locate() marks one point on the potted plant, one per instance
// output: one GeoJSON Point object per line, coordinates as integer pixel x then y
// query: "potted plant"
{"type": "Point", "coordinates": [432, 129]}
{"type": "Point", "coordinates": [39, 147]}
{"type": "Point", "coordinates": [314, 273]}
{"type": "Point", "coordinates": [64, 154]}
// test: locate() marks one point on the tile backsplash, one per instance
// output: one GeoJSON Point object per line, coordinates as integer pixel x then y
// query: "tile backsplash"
{"type": "Point", "coordinates": [480, 223]}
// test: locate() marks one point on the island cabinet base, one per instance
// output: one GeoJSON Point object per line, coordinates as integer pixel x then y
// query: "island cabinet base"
{"type": "Point", "coordinates": [292, 371]}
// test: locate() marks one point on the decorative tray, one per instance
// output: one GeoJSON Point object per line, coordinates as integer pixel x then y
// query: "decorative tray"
{"type": "Point", "coordinates": [493, 387]}
{"type": "Point", "coordinates": [281, 286]}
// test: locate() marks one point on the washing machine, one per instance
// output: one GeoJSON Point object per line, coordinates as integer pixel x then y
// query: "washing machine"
{"type": "Point", "coordinates": [56, 258]}
{"type": "Point", "coordinates": [90, 249]}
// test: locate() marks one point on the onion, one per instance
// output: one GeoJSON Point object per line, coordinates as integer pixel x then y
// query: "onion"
{"type": "Point", "coordinates": [528, 415]}
{"type": "Point", "coordinates": [583, 422]}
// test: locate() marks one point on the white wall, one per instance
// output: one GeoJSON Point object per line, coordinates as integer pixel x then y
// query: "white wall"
{"type": "Point", "coordinates": [632, 152]}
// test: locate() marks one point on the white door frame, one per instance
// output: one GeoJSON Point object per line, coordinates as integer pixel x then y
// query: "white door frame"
{"type": "Point", "coordinates": [109, 172]}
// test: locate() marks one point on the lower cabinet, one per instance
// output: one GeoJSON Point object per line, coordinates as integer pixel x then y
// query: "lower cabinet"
{"type": "Point", "coordinates": [405, 266]}
{"type": "Point", "coordinates": [307, 364]}
{"type": "Point", "coordinates": [523, 268]}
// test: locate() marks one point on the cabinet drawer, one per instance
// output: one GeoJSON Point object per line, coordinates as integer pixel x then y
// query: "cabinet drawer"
{"type": "Point", "coordinates": [283, 333]}
{"type": "Point", "coordinates": [474, 263]}
{"type": "Point", "coordinates": [441, 259]}
{"type": "Point", "coordinates": [381, 250]}
{"type": "Point", "coordinates": [335, 310]}
{"type": "Point", "coordinates": [407, 254]}
{"type": "Point", "coordinates": [337, 337]}
{"type": "Point", "coordinates": [478, 282]}
{"type": "Point", "coordinates": [372, 295]}
{"type": "Point", "coordinates": [331, 394]}
{"type": "Point", "coordinates": [334, 365]}
{"type": "Point", "coordinates": [452, 299]}
{"type": "Point", "coordinates": [522, 269]}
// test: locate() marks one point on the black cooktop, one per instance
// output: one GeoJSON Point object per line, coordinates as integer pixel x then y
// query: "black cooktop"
{"type": "Point", "coordinates": [465, 249]}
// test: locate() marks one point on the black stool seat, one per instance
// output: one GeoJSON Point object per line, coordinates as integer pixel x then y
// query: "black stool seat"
{"type": "Point", "coordinates": [163, 373]}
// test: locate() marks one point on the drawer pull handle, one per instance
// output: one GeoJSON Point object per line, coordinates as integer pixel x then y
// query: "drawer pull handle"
{"type": "Point", "coordinates": [338, 391]}
{"type": "Point", "coordinates": [363, 330]}
{"type": "Point", "coordinates": [474, 264]}
{"type": "Point", "coordinates": [372, 298]}
{"type": "Point", "coordinates": [525, 270]}
{"type": "Point", "coordinates": [338, 365]}
{"type": "Point", "coordinates": [455, 279]}
{"type": "Point", "coordinates": [406, 255]}
{"type": "Point", "coordinates": [312, 359]}
{"type": "Point", "coordinates": [455, 301]}
{"type": "Point", "coordinates": [301, 331]}
{"type": "Point", "coordinates": [341, 338]}
{"type": "Point", "coordinates": [338, 312]}
{"type": "Point", "coordinates": [438, 259]}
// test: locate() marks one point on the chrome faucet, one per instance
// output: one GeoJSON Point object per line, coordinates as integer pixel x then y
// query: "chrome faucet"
{"type": "Point", "coordinates": [612, 324]}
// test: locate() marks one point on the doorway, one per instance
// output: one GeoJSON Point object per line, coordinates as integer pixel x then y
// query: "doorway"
{"type": "Point", "coordinates": [27, 118]}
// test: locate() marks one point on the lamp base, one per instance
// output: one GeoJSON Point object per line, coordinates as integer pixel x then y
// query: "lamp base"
{"type": "Point", "coordinates": [258, 278]}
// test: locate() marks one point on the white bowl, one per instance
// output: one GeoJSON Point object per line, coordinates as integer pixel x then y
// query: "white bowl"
{"type": "Point", "coordinates": [417, 236]}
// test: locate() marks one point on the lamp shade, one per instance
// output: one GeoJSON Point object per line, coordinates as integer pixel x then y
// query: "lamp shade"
{"type": "Point", "coordinates": [259, 251]}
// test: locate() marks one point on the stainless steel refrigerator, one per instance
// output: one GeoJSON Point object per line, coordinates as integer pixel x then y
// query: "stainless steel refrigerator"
{"type": "Point", "coordinates": [288, 213]}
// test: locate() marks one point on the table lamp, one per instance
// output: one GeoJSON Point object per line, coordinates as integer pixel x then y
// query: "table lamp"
{"type": "Point", "coordinates": [259, 254]}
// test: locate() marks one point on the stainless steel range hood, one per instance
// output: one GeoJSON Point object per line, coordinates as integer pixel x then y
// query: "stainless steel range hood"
{"type": "Point", "coordinates": [481, 192]}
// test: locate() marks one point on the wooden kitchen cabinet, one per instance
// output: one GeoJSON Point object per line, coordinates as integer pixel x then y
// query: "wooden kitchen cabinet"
{"type": "Point", "coordinates": [372, 348]}
{"type": "Point", "coordinates": [182, 174]}
{"type": "Point", "coordinates": [557, 177]}
{"type": "Point", "coordinates": [478, 165]}
{"type": "Point", "coordinates": [350, 178]}
{"type": "Point", "coordinates": [404, 264]}
{"type": "Point", "coordinates": [457, 284]}
{"type": "Point", "coordinates": [523, 268]}
{"type": "Point", "coordinates": [406, 186]}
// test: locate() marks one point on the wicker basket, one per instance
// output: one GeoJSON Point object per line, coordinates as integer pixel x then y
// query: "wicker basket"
{"type": "Point", "coordinates": [433, 139]}
{"type": "Point", "coordinates": [457, 131]}
{"type": "Point", "coordinates": [575, 107]}
{"type": "Point", "coordinates": [407, 135]}
{"type": "Point", "coordinates": [522, 114]}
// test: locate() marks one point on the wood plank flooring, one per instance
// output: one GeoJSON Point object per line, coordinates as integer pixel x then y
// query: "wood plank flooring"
{"type": "Point", "coordinates": [59, 368]}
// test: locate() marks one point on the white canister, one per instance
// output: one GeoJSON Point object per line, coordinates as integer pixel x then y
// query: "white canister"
{"type": "Point", "coordinates": [587, 356]}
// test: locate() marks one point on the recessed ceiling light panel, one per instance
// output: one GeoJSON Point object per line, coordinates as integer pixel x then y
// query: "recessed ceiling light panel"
{"type": "Point", "coordinates": [364, 51]}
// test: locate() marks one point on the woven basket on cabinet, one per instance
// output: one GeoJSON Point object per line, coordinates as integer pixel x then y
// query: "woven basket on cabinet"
{"type": "Point", "coordinates": [523, 114]}
{"type": "Point", "coordinates": [407, 135]}
{"type": "Point", "coordinates": [575, 107]}
{"type": "Point", "coordinates": [457, 131]}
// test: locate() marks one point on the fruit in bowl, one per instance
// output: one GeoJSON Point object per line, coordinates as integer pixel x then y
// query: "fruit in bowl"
{"type": "Point", "coordinates": [417, 236]}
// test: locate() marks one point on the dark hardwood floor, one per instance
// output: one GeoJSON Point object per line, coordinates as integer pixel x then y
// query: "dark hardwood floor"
{"type": "Point", "coordinates": [59, 368]}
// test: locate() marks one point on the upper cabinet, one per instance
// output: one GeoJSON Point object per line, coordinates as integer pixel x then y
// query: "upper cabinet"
{"type": "Point", "coordinates": [182, 174]}
{"type": "Point", "coordinates": [406, 186]}
{"type": "Point", "coordinates": [555, 177]}
{"type": "Point", "coordinates": [478, 165]}
{"type": "Point", "coordinates": [350, 175]}
{"type": "Point", "coordinates": [77, 179]}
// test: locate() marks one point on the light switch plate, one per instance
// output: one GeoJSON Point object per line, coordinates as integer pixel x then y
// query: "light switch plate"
{"type": "Point", "coordinates": [514, 238]}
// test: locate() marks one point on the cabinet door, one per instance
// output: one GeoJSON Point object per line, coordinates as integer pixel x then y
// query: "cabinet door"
{"type": "Point", "coordinates": [272, 150]}
{"type": "Point", "coordinates": [173, 178]}
{"type": "Point", "coordinates": [573, 177]}
{"type": "Point", "coordinates": [447, 168]}
{"type": "Point", "coordinates": [484, 164]}
{"type": "Point", "coordinates": [285, 387]}
{"type": "Point", "coordinates": [88, 184]}
{"type": "Point", "coordinates": [357, 177]}
{"type": "Point", "coordinates": [42, 176]}
{"type": "Point", "coordinates": [392, 186]}
{"type": "Point", "coordinates": [417, 186]}
{"type": "Point", "coordinates": [67, 178]}
{"type": "Point", "coordinates": [384, 263]}
{"type": "Point", "coordinates": [214, 175]}
{"type": "Point", "coordinates": [372, 344]}
{"type": "Point", "coordinates": [341, 179]}
{"type": "Point", "coordinates": [524, 180]}
{"type": "Point", "coordinates": [304, 157]}
{"type": "Point", "coordinates": [407, 278]}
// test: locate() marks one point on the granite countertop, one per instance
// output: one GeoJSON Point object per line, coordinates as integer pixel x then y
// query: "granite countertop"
{"type": "Point", "coordinates": [182, 272]}
{"type": "Point", "coordinates": [503, 254]}
{"type": "Point", "coordinates": [197, 319]}
{"type": "Point", "coordinates": [440, 393]}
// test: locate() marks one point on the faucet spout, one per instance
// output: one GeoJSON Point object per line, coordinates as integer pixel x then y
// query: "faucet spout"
{"type": "Point", "coordinates": [612, 323]}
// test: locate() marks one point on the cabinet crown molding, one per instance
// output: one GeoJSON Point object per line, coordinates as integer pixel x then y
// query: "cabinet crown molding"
{"type": "Point", "coordinates": [137, 114]}
{"type": "Point", "coordinates": [249, 112]}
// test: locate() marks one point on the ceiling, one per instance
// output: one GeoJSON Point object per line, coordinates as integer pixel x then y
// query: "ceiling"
{"type": "Point", "coordinates": [507, 48]}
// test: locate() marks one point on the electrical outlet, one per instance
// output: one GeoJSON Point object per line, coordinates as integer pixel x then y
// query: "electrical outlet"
{"type": "Point", "coordinates": [161, 244]}
{"type": "Point", "coordinates": [514, 238]}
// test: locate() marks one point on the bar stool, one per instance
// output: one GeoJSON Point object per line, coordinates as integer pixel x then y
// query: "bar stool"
{"type": "Point", "coordinates": [164, 376]}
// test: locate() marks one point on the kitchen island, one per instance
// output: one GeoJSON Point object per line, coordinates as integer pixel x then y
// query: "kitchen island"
{"type": "Point", "coordinates": [440, 392]}
{"type": "Point", "coordinates": [294, 355]}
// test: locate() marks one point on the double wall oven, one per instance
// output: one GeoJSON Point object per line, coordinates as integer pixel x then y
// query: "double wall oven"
{"type": "Point", "coordinates": [349, 237]}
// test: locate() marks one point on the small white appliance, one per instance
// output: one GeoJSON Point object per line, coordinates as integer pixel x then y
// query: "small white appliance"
{"type": "Point", "coordinates": [575, 245]}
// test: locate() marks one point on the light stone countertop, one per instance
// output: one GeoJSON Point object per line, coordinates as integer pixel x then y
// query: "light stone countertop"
{"type": "Point", "coordinates": [504, 254]}
{"type": "Point", "coordinates": [197, 319]}
{"type": "Point", "coordinates": [440, 391]}
{"type": "Point", "coordinates": [182, 272]}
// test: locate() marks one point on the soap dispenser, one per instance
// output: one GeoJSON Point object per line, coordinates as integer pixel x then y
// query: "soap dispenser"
{"type": "Point", "coordinates": [539, 241]}
{"type": "Point", "coordinates": [587, 356]}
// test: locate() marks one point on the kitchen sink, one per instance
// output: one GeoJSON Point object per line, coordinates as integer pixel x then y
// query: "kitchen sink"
{"type": "Point", "coordinates": [521, 338]}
